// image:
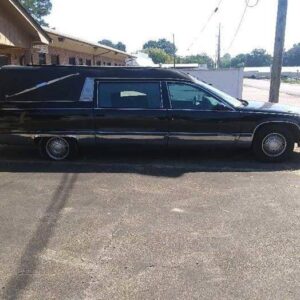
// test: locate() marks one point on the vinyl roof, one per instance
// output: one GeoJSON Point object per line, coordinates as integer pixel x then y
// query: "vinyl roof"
{"type": "Point", "coordinates": [105, 72]}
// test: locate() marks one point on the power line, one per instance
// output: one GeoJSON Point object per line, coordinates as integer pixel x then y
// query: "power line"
{"type": "Point", "coordinates": [206, 23]}
{"type": "Point", "coordinates": [247, 5]}
{"type": "Point", "coordinates": [252, 5]}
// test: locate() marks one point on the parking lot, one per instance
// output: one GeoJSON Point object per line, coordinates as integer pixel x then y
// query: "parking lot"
{"type": "Point", "coordinates": [149, 225]}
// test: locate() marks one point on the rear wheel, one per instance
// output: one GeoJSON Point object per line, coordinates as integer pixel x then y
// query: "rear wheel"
{"type": "Point", "coordinates": [58, 148]}
{"type": "Point", "coordinates": [273, 144]}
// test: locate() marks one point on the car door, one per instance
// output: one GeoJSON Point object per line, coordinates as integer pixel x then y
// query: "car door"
{"type": "Point", "coordinates": [130, 111]}
{"type": "Point", "coordinates": [199, 117]}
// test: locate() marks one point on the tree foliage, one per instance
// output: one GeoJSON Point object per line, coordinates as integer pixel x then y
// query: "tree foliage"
{"type": "Point", "coordinates": [226, 61]}
{"type": "Point", "coordinates": [159, 56]}
{"type": "Point", "coordinates": [292, 56]}
{"type": "Point", "coordinates": [119, 46]}
{"type": "Point", "coordinates": [198, 59]}
{"type": "Point", "coordinates": [163, 44]}
{"type": "Point", "coordinates": [38, 9]}
{"type": "Point", "coordinates": [256, 58]}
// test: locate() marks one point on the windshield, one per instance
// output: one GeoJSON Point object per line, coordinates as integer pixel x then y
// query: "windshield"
{"type": "Point", "coordinates": [231, 100]}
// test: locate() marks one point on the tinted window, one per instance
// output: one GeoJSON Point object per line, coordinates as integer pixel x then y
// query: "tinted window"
{"type": "Point", "coordinates": [130, 95]}
{"type": "Point", "coordinates": [184, 96]}
{"type": "Point", "coordinates": [40, 85]}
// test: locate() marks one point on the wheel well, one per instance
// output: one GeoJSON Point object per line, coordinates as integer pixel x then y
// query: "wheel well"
{"type": "Point", "coordinates": [294, 129]}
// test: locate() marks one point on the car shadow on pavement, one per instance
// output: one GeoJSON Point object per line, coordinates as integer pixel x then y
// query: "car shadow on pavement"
{"type": "Point", "coordinates": [45, 228]}
{"type": "Point", "coordinates": [155, 162]}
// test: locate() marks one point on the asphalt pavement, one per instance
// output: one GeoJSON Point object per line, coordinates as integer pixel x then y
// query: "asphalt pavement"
{"type": "Point", "coordinates": [255, 89]}
{"type": "Point", "coordinates": [210, 224]}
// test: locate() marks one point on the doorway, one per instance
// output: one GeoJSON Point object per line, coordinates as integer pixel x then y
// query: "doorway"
{"type": "Point", "coordinates": [4, 60]}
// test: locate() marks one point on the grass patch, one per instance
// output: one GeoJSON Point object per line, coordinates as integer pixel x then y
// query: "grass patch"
{"type": "Point", "coordinates": [291, 80]}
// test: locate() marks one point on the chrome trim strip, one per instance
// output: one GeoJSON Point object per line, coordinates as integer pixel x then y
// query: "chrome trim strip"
{"type": "Point", "coordinates": [131, 109]}
{"type": "Point", "coordinates": [207, 138]}
{"type": "Point", "coordinates": [144, 137]}
{"type": "Point", "coordinates": [247, 138]}
{"type": "Point", "coordinates": [90, 137]}
{"type": "Point", "coordinates": [42, 108]}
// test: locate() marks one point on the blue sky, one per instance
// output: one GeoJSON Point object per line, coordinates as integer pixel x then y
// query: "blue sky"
{"type": "Point", "coordinates": [136, 21]}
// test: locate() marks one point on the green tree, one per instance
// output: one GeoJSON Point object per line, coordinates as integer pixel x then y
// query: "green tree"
{"type": "Point", "coordinates": [258, 58]}
{"type": "Point", "coordinates": [163, 44]}
{"type": "Point", "coordinates": [226, 61]}
{"type": "Point", "coordinates": [198, 59]}
{"type": "Point", "coordinates": [159, 56]}
{"type": "Point", "coordinates": [38, 9]}
{"type": "Point", "coordinates": [292, 56]}
{"type": "Point", "coordinates": [239, 61]}
{"type": "Point", "coordinates": [119, 46]}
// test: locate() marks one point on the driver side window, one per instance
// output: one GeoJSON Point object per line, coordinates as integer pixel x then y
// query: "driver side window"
{"type": "Point", "coordinates": [184, 96]}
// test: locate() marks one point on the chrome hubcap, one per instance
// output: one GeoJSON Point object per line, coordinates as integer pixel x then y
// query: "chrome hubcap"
{"type": "Point", "coordinates": [57, 148]}
{"type": "Point", "coordinates": [274, 145]}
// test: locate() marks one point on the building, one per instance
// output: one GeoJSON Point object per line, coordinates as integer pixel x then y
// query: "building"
{"type": "Point", "coordinates": [19, 34]}
{"type": "Point", "coordinates": [23, 41]}
{"type": "Point", "coordinates": [68, 50]}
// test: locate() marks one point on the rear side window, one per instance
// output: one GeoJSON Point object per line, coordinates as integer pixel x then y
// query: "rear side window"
{"type": "Point", "coordinates": [41, 86]}
{"type": "Point", "coordinates": [144, 95]}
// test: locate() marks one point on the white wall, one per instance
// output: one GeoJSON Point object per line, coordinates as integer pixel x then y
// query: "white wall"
{"type": "Point", "coordinates": [229, 81]}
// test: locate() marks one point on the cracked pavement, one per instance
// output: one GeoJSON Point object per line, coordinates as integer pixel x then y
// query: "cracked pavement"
{"type": "Point", "coordinates": [149, 225]}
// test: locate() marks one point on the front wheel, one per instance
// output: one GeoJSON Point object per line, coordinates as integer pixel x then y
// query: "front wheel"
{"type": "Point", "coordinates": [58, 148]}
{"type": "Point", "coordinates": [273, 144]}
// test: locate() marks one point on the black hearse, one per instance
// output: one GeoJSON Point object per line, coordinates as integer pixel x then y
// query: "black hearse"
{"type": "Point", "coordinates": [61, 108]}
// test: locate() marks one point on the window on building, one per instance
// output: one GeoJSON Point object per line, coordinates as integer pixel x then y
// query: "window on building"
{"type": "Point", "coordinates": [88, 62]}
{"type": "Point", "coordinates": [184, 96]}
{"type": "Point", "coordinates": [55, 60]}
{"type": "Point", "coordinates": [42, 59]}
{"type": "Point", "coordinates": [80, 61]}
{"type": "Point", "coordinates": [98, 63]}
{"type": "Point", "coordinates": [4, 60]}
{"type": "Point", "coordinates": [104, 63]}
{"type": "Point", "coordinates": [109, 64]}
{"type": "Point", "coordinates": [72, 61]}
{"type": "Point", "coordinates": [144, 95]}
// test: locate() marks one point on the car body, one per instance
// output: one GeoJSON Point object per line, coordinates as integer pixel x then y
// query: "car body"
{"type": "Point", "coordinates": [63, 107]}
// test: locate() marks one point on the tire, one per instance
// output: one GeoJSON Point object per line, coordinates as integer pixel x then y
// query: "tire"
{"type": "Point", "coordinates": [58, 148]}
{"type": "Point", "coordinates": [273, 144]}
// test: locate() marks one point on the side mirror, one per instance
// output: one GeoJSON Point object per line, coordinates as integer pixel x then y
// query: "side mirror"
{"type": "Point", "coordinates": [221, 107]}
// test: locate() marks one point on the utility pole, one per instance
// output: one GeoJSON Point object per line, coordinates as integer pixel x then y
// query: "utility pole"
{"type": "Point", "coordinates": [174, 56]}
{"type": "Point", "coordinates": [218, 64]}
{"type": "Point", "coordinates": [278, 51]}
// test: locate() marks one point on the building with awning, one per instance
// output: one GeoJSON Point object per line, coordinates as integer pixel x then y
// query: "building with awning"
{"type": "Point", "coordinates": [23, 41]}
{"type": "Point", "coordinates": [69, 50]}
{"type": "Point", "coordinates": [19, 34]}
